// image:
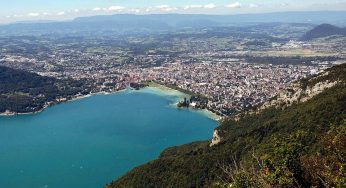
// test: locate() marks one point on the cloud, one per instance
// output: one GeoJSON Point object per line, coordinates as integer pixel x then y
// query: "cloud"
{"type": "Point", "coordinates": [60, 13]}
{"type": "Point", "coordinates": [96, 9]}
{"type": "Point", "coordinates": [33, 14]}
{"type": "Point", "coordinates": [166, 8]}
{"type": "Point", "coordinates": [14, 16]}
{"type": "Point", "coordinates": [135, 10]}
{"type": "Point", "coordinates": [161, 8]}
{"type": "Point", "coordinates": [192, 7]}
{"type": "Point", "coordinates": [116, 8]}
{"type": "Point", "coordinates": [234, 5]}
{"type": "Point", "coordinates": [17, 16]}
{"type": "Point", "coordinates": [209, 6]}
{"type": "Point", "coordinates": [252, 5]}
{"type": "Point", "coordinates": [76, 10]}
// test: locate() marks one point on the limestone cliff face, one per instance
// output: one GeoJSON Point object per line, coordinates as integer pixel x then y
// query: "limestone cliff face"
{"type": "Point", "coordinates": [216, 138]}
{"type": "Point", "coordinates": [300, 91]}
{"type": "Point", "coordinates": [296, 94]}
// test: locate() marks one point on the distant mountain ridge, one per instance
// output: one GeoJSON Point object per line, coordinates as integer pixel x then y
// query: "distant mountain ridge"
{"type": "Point", "coordinates": [324, 30]}
{"type": "Point", "coordinates": [124, 23]}
{"type": "Point", "coordinates": [315, 17]}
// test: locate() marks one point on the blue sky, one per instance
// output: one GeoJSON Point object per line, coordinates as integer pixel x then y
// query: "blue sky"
{"type": "Point", "coordinates": [16, 10]}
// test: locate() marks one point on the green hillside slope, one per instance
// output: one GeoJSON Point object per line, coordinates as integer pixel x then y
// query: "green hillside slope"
{"type": "Point", "coordinates": [24, 92]}
{"type": "Point", "coordinates": [302, 145]}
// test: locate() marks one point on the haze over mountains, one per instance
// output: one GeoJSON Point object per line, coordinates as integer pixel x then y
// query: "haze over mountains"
{"type": "Point", "coordinates": [124, 23]}
{"type": "Point", "coordinates": [324, 30]}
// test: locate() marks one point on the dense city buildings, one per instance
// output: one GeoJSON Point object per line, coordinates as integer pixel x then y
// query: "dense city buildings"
{"type": "Point", "coordinates": [224, 70]}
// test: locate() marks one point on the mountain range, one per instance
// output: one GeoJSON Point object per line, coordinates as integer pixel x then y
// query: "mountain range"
{"type": "Point", "coordinates": [129, 23]}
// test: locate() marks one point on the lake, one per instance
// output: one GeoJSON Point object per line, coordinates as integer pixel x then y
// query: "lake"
{"type": "Point", "coordinates": [89, 142]}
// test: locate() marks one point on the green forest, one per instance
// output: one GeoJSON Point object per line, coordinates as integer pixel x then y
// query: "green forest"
{"type": "Point", "coordinates": [23, 92]}
{"type": "Point", "coordinates": [303, 145]}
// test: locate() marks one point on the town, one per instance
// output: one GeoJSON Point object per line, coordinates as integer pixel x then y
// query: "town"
{"type": "Point", "coordinates": [225, 74]}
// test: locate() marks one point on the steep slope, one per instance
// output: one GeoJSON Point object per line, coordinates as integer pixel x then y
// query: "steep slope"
{"type": "Point", "coordinates": [324, 30]}
{"type": "Point", "coordinates": [302, 144]}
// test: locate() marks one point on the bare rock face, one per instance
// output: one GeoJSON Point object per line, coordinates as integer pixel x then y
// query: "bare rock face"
{"type": "Point", "coordinates": [295, 94]}
{"type": "Point", "coordinates": [216, 138]}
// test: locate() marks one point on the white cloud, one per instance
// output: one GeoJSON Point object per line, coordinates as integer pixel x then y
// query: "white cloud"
{"type": "Point", "coordinates": [45, 14]}
{"type": "Point", "coordinates": [165, 8]}
{"type": "Point", "coordinates": [96, 9]}
{"type": "Point", "coordinates": [234, 5]}
{"type": "Point", "coordinates": [18, 16]}
{"type": "Point", "coordinates": [135, 10]}
{"type": "Point", "coordinates": [252, 5]}
{"type": "Point", "coordinates": [76, 10]}
{"type": "Point", "coordinates": [193, 7]}
{"type": "Point", "coordinates": [162, 6]}
{"type": "Point", "coordinates": [33, 14]}
{"type": "Point", "coordinates": [209, 6]}
{"type": "Point", "coordinates": [197, 6]}
{"type": "Point", "coordinates": [60, 13]}
{"type": "Point", "coordinates": [14, 16]}
{"type": "Point", "coordinates": [116, 8]}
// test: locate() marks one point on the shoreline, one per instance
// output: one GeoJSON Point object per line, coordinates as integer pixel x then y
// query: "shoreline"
{"type": "Point", "coordinates": [75, 98]}
{"type": "Point", "coordinates": [166, 91]}
{"type": "Point", "coordinates": [180, 96]}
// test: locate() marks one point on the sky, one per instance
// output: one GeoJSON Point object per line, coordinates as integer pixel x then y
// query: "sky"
{"type": "Point", "coordinates": [22, 10]}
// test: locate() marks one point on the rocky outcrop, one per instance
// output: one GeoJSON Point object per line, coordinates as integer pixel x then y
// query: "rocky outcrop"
{"type": "Point", "coordinates": [216, 138]}
{"type": "Point", "coordinates": [302, 90]}
{"type": "Point", "coordinates": [296, 94]}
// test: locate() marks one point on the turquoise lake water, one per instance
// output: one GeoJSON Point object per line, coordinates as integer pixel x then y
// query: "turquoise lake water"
{"type": "Point", "coordinates": [89, 142]}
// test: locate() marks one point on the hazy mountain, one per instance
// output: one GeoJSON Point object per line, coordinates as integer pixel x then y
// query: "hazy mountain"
{"type": "Point", "coordinates": [129, 23]}
{"type": "Point", "coordinates": [324, 30]}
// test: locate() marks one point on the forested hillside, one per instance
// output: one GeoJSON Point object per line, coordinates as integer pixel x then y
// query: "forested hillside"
{"type": "Point", "coordinates": [23, 92]}
{"type": "Point", "coordinates": [302, 145]}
